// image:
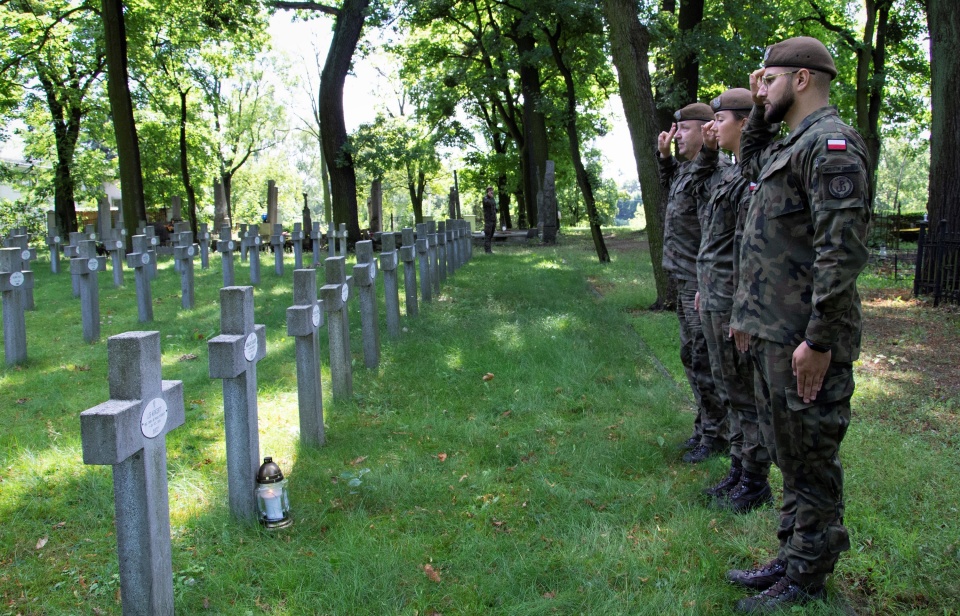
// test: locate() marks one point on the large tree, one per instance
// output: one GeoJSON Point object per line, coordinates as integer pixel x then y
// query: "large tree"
{"type": "Point", "coordinates": [944, 23]}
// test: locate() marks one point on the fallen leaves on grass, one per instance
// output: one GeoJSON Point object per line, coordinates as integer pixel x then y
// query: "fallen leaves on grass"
{"type": "Point", "coordinates": [187, 357]}
{"type": "Point", "coordinates": [442, 457]}
{"type": "Point", "coordinates": [42, 542]}
{"type": "Point", "coordinates": [488, 376]}
{"type": "Point", "coordinates": [357, 461]}
{"type": "Point", "coordinates": [431, 573]}
{"type": "Point", "coordinates": [22, 400]}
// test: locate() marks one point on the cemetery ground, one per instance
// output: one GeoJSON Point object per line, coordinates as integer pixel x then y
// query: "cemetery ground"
{"type": "Point", "coordinates": [513, 454]}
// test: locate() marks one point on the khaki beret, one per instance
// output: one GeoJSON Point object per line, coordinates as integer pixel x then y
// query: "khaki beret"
{"type": "Point", "coordinates": [734, 99]}
{"type": "Point", "coordinates": [801, 52]}
{"type": "Point", "coordinates": [694, 111]}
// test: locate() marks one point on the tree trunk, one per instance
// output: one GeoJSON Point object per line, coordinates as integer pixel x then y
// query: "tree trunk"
{"type": "Point", "coordinates": [630, 41]}
{"type": "Point", "coordinates": [66, 131]}
{"type": "Point", "coordinates": [503, 201]}
{"type": "Point", "coordinates": [185, 168]}
{"type": "Point", "coordinates": [226, 180]}
{"type": "Point", "coordinates": [343, 177]}
{"type": "Point", "coordinates": [534, 126]}
{"type": "Point", "coordinates": [943, 20]}
{"type": "Point", "coordinates": [573, 137]}
{"type": "Point", "coordinates": [686, 73]}
{"type": "Point", "coordinates": [121, 107]}
{"type": "Point", "coordinates": [415, 188]}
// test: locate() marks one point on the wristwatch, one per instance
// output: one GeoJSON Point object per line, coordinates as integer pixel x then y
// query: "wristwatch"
{"type": "Point", "coordinates": [819, 348]}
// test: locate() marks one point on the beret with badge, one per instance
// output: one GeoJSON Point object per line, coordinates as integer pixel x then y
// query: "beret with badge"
{"type": "Point", "coordinates": [734, 99]}
{"type": "Point", "coordinates": [694, 111]}
{"type": "Point", "coordinates": [800, 52]}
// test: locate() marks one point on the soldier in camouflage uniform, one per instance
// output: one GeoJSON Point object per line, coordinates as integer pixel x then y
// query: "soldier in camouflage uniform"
{"type": "Point", "coordinates": [746, 486]}
{"type": "Point", "coordinates": [489, 219]}
{"type": "Point", "coordinates": [681, 242]}
{"type": "Point", "coordinates": [798, 308]}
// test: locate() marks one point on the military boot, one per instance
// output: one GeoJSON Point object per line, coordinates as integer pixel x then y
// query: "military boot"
{"type": "Point", "coordinates": [781, 596]}
{"type": "Point", "coordinates": [761, 578]}
{"type": "Point", "coordinates": [689, 444]}
{"type": "Point", "coordinates": [753, 492]}
{"type": "Point", "coordinates": [728, 483]}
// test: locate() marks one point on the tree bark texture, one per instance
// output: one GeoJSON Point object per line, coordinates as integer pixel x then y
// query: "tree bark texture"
{"type": "Point", "coordinates": [121, 107]}
{"type": "Point", "coordinates": [343, 177]}
{"type": "Point", "coordinates": [534, 126]}
{"type": "Point", "coordinates": [944, 24]}
{"type": "Point", "coordinates": [185, 167]}
{"type": "Point", "coordinates": [630, 42]}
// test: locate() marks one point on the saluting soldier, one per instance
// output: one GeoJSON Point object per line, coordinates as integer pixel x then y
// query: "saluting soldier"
{"type": "Point", "coordinates": [681, 242]}
{"type": "Point", "coordinates": [798, 308]}
{"type": "Point", "coordinates": [745, 487]}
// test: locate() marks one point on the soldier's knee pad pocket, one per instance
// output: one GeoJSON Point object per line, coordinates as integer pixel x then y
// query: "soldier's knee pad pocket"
{"type": "Point", "coordinates": [836, 388]}
{"type": "Point", "coordinates": [838, 540]}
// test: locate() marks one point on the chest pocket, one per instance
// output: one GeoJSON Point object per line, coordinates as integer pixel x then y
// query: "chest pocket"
{"type": "Point", "coordinates": [779, 190]}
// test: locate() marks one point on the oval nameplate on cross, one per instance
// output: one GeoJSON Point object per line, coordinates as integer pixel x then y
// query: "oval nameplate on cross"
{"type": "Point", "coordinates": [56, 239]}
{"type": "Point", "coordinates": [92, 264]}
{"type": "Point", "coordinates": [16, 279]}
{"type": "Point", "coordinates": [344, 293]}
{"type": "Point", "coordinates": [250, 347]}
{"type": "Point", "coordinates": [154, 241]}
{"type": "Point", "coordinates": [154, 418]}
{"type": "Point", "coordinates": [145, 258]}
{"type": "Point", "coordinates": [316, 315]}
{"type": "Point", "coordinates": [25, 255]}
{"type": "Point", "coordinates": [190, 251]}
{"type": "Point", "coordinates": [230, 245]}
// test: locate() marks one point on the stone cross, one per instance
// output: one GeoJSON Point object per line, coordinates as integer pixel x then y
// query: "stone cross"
{"type": "Point", "coordinates": [176, 205]}
{"type": "Point", "coordinates": [233, 357]}
{"type": "Point", "coordinates": [53, 241]}
{"type": "Point", "coordinates": [276, 241]}
{"type": "Point", "coordinates": [297, 238]}
{"type": "Point", "coordinates": [331, 241]}
{"type": "Point", "coordinates": [391, 288]}
{"type": "Point", "coordinates": [204, 241]}
{"type": "Point", "coordinates": [226, 246]}
{"type": "Point", "coordinates": [71, 251]}
{"type": "Point", "coordinates": [316, 236]}
{"type": "Point", "coordinates": [243, 245]}
{"type": "Point", "coordinates": [117, 248]}
{"type": "Point", "coordinates": [365, 277]}
{"type": "Point", "coordinates": [343, 239]}
{"type": "Point", "coordinates": [152, 242]}
{"type": "Point", "coordinates": [184, 254]}
{"type": "Point", "coordinates": [423, 249]}
{"type": "Point", "coordinates": [434, 259]}
{"type": "Point", "coordinates": [14, 280]}
{"type": "Point", "coordinates": [139, 261]}
{"type": "Point", "coordinates": [408, 254]}
{"type": "Point", "coordinates": [128, 432]}
{"type": "Point", "coordinates": [467, 239]}
{"type": "Point", "coordinates": [252, 242]}
{"type": "Point", "coordinates": [442, 251]}
{"type": "Point", "coordinates": [451, 247]}
{"type": "Point", "coordinates": [86, 266]}
{"type": "Point", "coordinates": [335, 295]}
{"type": "Point", "coordinates": [21, 241]}
{"type": "Point", "coordinates": [304, 320]}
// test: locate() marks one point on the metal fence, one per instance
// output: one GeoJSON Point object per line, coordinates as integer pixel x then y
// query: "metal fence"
{"type": "Point", "coordinates": [938, 264]}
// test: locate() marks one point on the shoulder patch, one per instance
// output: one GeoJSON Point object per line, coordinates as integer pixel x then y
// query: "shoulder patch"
{"type": "Point", "coordinates": [840, 187]}
{"type": "Point", "coordinates": [837, 145]}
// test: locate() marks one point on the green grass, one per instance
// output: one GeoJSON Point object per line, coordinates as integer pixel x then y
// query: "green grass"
{"type": "Point", "coordinates": [553, 488]}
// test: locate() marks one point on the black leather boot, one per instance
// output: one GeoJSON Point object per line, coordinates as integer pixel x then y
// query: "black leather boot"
{"type": "Point", "coordinates": [753, 492]}
{"type": "Point", "coordinates": [728, 483]}
{"type": "Point", "coordinates": [781, 596]}
{"type": "Point", "coordinates": [760, 578]}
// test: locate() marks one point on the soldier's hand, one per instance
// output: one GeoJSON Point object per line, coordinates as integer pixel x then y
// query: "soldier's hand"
{"type": "Point", "coordinates": [755, 78]}
{"type": "Point", "coordinates": [709, 133]}
{"type": "Point", "coordinates": [741, 339]}
{"type": "Point", "coordinates": [665, 139]}
{"type": "Point", "coordinates": [809, 367]}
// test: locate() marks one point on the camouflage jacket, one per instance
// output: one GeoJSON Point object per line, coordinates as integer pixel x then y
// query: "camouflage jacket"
{"type": "Point", "coordinates": [804, 237]}
{"type": "Point", "coordinates": [725, 213]}
{"type": "Point", "coordinates": [684, 219]}
{"type": "Point", "coordinates": [489, 211]}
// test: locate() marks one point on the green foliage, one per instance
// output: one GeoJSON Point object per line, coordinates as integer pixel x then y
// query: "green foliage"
{"type": "Point", "coordinates": [902, 176]}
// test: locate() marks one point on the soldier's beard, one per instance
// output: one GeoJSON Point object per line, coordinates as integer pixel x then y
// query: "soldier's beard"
{"type": "Point", "coordinates": [778, 110]}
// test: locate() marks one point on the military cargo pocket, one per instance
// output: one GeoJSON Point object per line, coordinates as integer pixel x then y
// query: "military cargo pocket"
{"type": "Point", "coordinates": [838, 539]}
{"type": "Point", "coordinates": [817, 427]}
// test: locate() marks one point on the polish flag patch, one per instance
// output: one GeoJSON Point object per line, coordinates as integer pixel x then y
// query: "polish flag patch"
{"type": "Point", "coordinates": [753, 186]}
{"type": "Point", "coordinates": [837, 144]}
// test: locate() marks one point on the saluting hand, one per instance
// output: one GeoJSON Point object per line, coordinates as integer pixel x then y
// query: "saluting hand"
{"type": "Point", "coordinates": [809, 367]}
{"type": "Point", "coordinates": [664, 140]}
{"type": "Point", "coordinates": [755, 78]}
{"type": "Point", "coordinates": [709, 134]}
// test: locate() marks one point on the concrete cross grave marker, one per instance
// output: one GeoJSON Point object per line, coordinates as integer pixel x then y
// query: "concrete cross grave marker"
{"type": "Point", "coordinates": [365, 278]}
{"type": "Point", "coordinates": [297, 238]}
{"type": "Point", "coordinates": [139, 261]}
{"type": "Point", "coordinates": [178, 228]}
{"type": "Point", "coordinates": [408, 254]}
{"type": "Point", "coordinates": [184, 254]}
{"type": "Point", "coordinates": [117, 248]}
{"type": "Point", "coordinates": [304, 320]}
{"type": "Point", "coordinates": [331, 241]}
{"type": "Point", "coordinates": [87, 265]}
{"type": "Point", "coordinates": [342, 235]}
{"type": "Point", "coordinates": [243, 236]}
{"type": "Point", "coordinates": [434, 257]}
{"type": "Point", "coordinates": [53, 241]}
{"type": "Point", "coordinates": [233, 357]}
{"type": "Point", "coordinates": [315, 237]}
{"type": "Point", "coordinates": [21, 241]}
{"type": "Point", "coordinates": [14, 280]}
{"type": "Point", "coordinates": [442, 251]}
{"type": "Point", "coordinates": [204, 241]}
{"type": "Point", "coordinates": [226, 246]}
{"type": "Point", "coordinates": [335, 295]}
{"type": "Point", "coordinates": [128, 432]}
{"type": "Point", "coordinates": [276, 242]}
{"type": "Point", "coordinates": [152, 242]}
{"type": "Point", "coordinates": [423, 250]}
{"type": "Point", "coordinates": [252, 242]}
{"type": "Point", "coordinates": [391, 288]}
{"type": "Point", "coordinates": [71, 251]}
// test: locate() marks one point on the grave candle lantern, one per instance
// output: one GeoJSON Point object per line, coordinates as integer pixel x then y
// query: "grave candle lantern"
{"type": "Point", "coordinates": [273, 502]}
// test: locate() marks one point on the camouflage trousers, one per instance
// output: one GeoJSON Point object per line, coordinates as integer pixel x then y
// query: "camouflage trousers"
{"type": "Point", "coordinates": [804, 441]}
{"type": "Point", "coordinates": [711, 414]}
{"type": "Point", "coordinates": [733, 377]}
{"type": "Point", "coordinates": [488, 237]}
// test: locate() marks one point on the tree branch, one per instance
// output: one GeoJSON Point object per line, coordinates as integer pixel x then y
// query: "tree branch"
{"type": "Point", "coordinates": [305, 6]}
